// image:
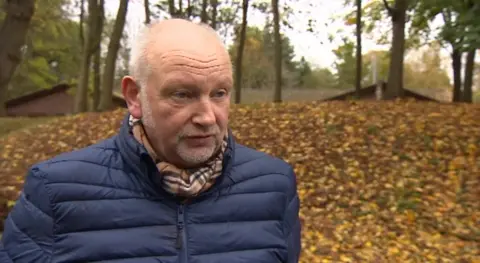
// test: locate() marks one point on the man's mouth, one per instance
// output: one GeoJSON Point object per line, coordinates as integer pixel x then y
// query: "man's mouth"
{"type": "Point", "coordinates": [200, 136]}
{"type": "Point", "coordinates": [199, 140]}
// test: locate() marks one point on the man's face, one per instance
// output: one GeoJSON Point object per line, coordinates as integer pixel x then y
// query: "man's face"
{"type": "Point", "coordinates": [185, 105]}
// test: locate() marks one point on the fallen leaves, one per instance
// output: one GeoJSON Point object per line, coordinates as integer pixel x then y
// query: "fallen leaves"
{"type": "Point", "coordinates": [379, 181]}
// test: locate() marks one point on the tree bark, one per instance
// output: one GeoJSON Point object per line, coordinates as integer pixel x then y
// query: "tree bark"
{"type": "Point", "coordinates": [171, 8]}
{"type": "Point", "coordinates": [180, 12]}
{"type": "Point", "coordinates": [213, 19]}
{"type": "Point", "coordinates": [89, 48]}
{"type": "Point", "coordinates": [457, 74]}
{"type": "Point", "coordinates": [395, 75]}
{"type": "Point", "coordinates": [358, 78]}
{"type": "Point", "coordinates": [468, 81]}
{"type": "Point", "coordinates": [113, 47]}
{"type": "Point", "coordinates": [146, 4]}
{"type": "Point", "coordinates": [278, 52]}
{"type": "Point", "coordinates": [82, 22]}
{"type": "Point", "coordinates": [203, 15]}
{"type": "Point", "coordinates": [96, 80]}
{"type": "Point", "coordinates": [239, 59]}
{"type": "Point", "coordinates": [189, 9]}
{"type": "Point", "coordinates": [97, 55]}
{"type": "Point", "coordinates": [13, 34]}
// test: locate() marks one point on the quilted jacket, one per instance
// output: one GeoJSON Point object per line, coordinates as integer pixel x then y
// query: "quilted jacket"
{"type": "Point", "coordinates": [103, 203]}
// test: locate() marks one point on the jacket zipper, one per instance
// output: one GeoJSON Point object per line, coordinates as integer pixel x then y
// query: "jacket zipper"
{"type": "Point", "coordinates": [181, 242]}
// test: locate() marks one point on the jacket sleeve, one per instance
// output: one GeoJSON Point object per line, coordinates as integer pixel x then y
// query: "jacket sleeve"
{"type": "Point", "coordinates": [28, 231]}
{"type": "Point", "coordinates": [292, 222]}
{"type": "Point", "coordinates": [4, 258]}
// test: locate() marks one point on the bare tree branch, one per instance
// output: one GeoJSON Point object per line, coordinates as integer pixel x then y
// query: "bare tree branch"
{"type": "Point", "coordinates": [388, 7]}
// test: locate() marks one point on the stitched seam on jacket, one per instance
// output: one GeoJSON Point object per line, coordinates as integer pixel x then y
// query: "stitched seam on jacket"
{"type": "Point", "coordinates": [30, 206]}
{"type": "Point", "coordinates": [237, 250]}
{"type": "Point", "coordinates": [8, 256]}
{"type": "Point", "coordinates": [103, 199]}
{"type": "Point", "coordinates": [236, 221]}
{"type": "Point", "coordinates": [258, 176]}
{"type": "Point", "coordinates": [100, 185]}
{"type": "Point", "coordinates": [89, 162]}
{"type": "Point", "coordinates": [123, 258]}
{"type": "Point", "coordinates": [115, 228]}
{"type": "Point", "coordinates": [49, 195]}
{"type": "Point", "coordinates": [33, 241]}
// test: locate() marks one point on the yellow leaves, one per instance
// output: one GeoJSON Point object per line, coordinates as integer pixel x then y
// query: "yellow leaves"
{"type": "Point", "coordinates": [393, 251]}
{"type": "Point", "coordinates": [410, 216]}
{"type": "Point", "coordinates": [11, 203]}
{"type": "Point", "coordinates": [434, 114]}
{"type": "Point", "coordinates": [378, 182]}
{"type": "Point", "coordinates": [349, 129]}
{"type": "Point", "coordinates": [344, 258]}
{"type": "Point", "coordinates": [352, 20]}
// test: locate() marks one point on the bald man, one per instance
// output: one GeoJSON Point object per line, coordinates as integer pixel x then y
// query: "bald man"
{"type": "Point", "coordinates": [172, 185]}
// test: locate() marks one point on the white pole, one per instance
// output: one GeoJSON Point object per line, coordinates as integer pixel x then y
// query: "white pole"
{"type": "Point", "coordinates": [378, 87]}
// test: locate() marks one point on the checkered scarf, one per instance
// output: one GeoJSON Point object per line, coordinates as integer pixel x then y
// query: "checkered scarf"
{"type": "Point", "coordinates": [181, 182]}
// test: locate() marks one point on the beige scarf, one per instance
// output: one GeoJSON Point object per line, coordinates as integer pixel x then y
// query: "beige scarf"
{"type": "Point", "coordinates": [181, 182]}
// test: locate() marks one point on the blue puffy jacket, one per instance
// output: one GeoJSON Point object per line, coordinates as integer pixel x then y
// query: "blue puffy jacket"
{"type": "Point", "coordinates": [103, 203]}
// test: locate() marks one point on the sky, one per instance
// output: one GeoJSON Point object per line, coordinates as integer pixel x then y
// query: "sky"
{"type": "Point", "coordinates": [315, 47]}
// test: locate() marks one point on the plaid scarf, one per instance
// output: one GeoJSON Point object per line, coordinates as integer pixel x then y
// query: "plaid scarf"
{"type": "Point", "coordinates": [177, 181]}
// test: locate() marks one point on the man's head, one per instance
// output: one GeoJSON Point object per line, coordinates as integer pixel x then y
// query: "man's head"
{"type": "Point", "coordinates": [180, 85]}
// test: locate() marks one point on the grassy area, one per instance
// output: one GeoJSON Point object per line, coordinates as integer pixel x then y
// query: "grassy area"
{"type": "Point", "coordinates": [379, 181]}
{"type": "Point", "coordinates": [9, 124]}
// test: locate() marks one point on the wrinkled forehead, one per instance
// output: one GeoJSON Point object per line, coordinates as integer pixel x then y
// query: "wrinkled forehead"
{"type": "Point", "coordinates": [211, 64]}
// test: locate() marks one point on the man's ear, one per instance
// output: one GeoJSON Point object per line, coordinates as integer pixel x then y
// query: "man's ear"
{"type": "Point", "coordinates": [131, 94]}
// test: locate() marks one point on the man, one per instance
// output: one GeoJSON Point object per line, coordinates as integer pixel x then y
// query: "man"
{"type": "Point", "coordinates": [173, 185]}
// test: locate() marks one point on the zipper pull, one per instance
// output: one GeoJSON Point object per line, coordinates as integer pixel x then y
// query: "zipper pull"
{"type": "Point", "coordinates": [178, 244]}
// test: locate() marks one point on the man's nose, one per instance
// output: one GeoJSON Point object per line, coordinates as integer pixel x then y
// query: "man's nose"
{"type": "Point", "coordinates": [204, 114]}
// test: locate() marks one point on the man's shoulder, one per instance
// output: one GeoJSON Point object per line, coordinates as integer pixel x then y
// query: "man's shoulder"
{"type": "Point", "coordinates": [258, 163]}
{"type": "Point", "coordinates": [69, 164]}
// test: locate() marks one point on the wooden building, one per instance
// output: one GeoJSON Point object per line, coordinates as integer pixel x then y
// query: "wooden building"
{"type": "Point", "coordinates": [55, 101]}
{"type": "Point", "coordinates": [375, 92]}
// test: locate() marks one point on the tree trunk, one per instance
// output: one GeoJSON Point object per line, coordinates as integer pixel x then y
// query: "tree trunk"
{"type": "Point", "coordinates": [241, 47]}
{"type": "Point", "coordinates": [189, 9]}
{"type": "Point", "coordinates": [358, 78]}
{"type": "Point", "coordinates": [146, 4]}
{"type": "Point", "coordinates": [82, 23]}
{"type": "Point", "coordinates": [96, 80]}
{"type": "Point", "coordinates": [204, 16]}
{"type": "Point", "coordinates": [395, 74]}
{"type": "Point", "coordinates": [113, 47]}
{"type": "Point", "coordinates": [13, 34]}
{"type": "Point", "coordinates": [97, 55]}
{"type": "Point", "coordinates": [213, 19]}
{"type": "Point", "coordinates": [457, 74]}
{"type": "Point", "coordinates": [171, 8]}
{"type": "Point", "coordinates": [180, 12]}
{"type": "Point", "coordinates": [468, 81]}
{"type": "Point", "coordinates": [81, 95]}
{"type": "Point", "coordinates": [278, 52]}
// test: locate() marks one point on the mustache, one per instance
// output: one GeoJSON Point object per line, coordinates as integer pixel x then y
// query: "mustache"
{"type": "Point", "coordinates": [199, 131]}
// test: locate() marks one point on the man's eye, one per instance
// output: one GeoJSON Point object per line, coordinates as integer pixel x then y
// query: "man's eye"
{"type": "Point", "coordinates": [181, 95]}
{"type": "Point", "coordinates": [220, 93]}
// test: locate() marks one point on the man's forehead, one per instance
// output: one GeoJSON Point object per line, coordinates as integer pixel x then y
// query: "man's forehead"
{"type": "Point", "coordinates": [180, 65]}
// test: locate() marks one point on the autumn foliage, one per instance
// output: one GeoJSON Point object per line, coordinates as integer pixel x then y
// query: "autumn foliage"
{"type": "Point", "coordinates": [379, 181]}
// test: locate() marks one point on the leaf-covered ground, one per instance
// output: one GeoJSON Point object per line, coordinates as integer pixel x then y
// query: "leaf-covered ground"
{"type": "Point", "coordinates": [379, 181]}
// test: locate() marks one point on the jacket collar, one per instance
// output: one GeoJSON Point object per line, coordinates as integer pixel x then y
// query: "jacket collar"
{"type": "Point", "coordinates": [141, 164]}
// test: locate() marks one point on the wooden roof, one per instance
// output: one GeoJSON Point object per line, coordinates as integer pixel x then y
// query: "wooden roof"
{"type": "Point", "coordinates": [370, 90]}
{"type": "Point", "coordinates": [36, 95]}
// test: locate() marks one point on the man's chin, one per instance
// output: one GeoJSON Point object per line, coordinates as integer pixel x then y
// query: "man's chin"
{"type": "Point", "coordinates": [195, 156]}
